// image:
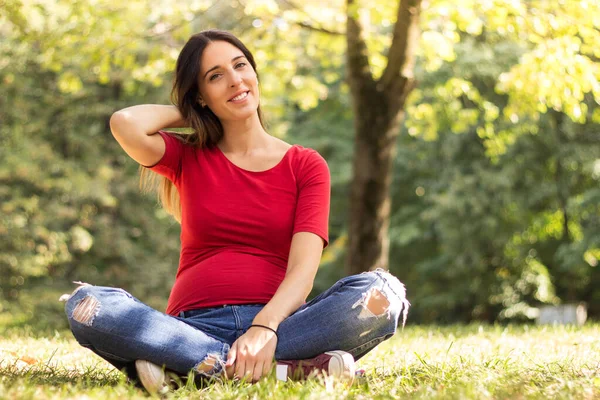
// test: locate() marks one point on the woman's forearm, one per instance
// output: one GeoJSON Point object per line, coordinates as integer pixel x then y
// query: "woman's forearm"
{"type": "Point", "coordinates": [150, 118]}
{"type": "Point", "coordinates": [305, 255]}
{"type": "Point", "coordinates": [291, 294]}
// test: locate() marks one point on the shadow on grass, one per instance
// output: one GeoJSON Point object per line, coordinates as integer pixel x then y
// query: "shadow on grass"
{"type": "Point", "coordinates": [57, 376]}
{"type": "Point", "coordinates": [90, 377]}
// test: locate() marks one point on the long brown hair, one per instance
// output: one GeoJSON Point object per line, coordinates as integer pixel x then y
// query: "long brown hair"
{"type": "Point", "coordinates": [206, 126]}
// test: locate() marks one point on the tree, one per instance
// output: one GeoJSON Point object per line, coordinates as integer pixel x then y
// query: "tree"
{"type": "Point", "coordinates": [378, 113]}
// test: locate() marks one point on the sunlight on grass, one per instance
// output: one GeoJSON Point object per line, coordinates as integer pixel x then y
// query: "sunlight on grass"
{"type": "Point", "coordinates": [481, 362]}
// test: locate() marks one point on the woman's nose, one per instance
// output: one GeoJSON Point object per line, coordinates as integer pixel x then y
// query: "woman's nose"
{"type": "Point", "coordinates": [235, 79]}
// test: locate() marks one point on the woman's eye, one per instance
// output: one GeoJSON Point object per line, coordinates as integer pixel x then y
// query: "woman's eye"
{"type": "Point", "coordinates": [238, 65]}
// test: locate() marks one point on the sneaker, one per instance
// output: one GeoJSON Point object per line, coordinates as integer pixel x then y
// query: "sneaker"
{"type": "Point", "coordinates": [152, 377]}
{"type": "Point", "coordinates": [334, 363]}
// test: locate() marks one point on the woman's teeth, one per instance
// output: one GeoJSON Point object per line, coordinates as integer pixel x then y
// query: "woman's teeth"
{"type": "Point", "coordinates": [240, 97]}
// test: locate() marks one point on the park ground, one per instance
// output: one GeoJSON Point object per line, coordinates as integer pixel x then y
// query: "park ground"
{"type": "Point", "coordinates": [420, 362]}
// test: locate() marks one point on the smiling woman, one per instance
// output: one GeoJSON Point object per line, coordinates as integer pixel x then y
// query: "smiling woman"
{"type": "Point", "coordinates": [254, 216]}
{"type": "Point", "coordinates": [228, 83]}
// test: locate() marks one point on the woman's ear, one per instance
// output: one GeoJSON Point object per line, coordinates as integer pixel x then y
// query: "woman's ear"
{"type": "Point", "coordinates": [202, 103]}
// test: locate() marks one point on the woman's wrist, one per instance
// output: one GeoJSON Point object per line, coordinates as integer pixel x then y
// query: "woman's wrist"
{"type": "Point", "coordinates": [266, 328]}
{"type": "Point", "coordinates": [265, 318]}
{"type": "Point", "coordinates": [179, 121]}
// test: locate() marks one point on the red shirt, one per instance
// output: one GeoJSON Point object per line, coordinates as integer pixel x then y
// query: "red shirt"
{"type": "Point", "coordinates": [237, 225]}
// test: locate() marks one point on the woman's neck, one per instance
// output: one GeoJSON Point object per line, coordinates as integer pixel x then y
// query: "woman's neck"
{"type": "Point", "coordinates": [244, 137]}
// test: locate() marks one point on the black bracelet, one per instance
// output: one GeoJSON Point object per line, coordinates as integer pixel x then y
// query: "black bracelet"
{"type": "Point", "coordinates": [266, 327]}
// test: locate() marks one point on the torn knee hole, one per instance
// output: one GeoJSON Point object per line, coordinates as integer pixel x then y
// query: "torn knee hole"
{"type": "Point", "coordinates": [86, 310]}
{"type": "Point", "coordinates": [375, 302]}
{"type": "Point", "coordinates": [209, 365]}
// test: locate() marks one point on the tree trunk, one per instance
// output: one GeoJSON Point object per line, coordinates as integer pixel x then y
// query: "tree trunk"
{"type": "Point", "coordinates": [562, 188]}
{"type": "Point", "coordinates": [378, 112]}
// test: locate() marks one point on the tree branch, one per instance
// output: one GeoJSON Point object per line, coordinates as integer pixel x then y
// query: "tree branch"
{"type": "Point", "coordinates": [318, 29]}
{"type": "Point", "coordinates": [401, 55]}
{"type": "Point", "coordinates": [291, 5]}
{"type": "Point", "coordinates": [359, 70]}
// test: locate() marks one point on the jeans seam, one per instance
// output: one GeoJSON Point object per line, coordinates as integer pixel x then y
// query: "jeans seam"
{"type": "Point", "coordinates": [110, 355]}
{"type": "Point", "coordinates": [378, 339]}
{"type": "Point", "coordinates": [386, 282]}
{"type": "Point", "coordinates": [238, 322]}
{"type": "Point", "coordinates": [126, 293]}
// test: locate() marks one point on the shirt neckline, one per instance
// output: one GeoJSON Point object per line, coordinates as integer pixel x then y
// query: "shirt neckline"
{"type": "Point", "coordinates": [254, 172]}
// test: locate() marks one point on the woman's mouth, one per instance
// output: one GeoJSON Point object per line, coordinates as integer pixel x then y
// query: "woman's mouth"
{"type": "Point", "coordinates": [240, 97]}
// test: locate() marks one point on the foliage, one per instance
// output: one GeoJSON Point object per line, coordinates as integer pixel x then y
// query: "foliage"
{"type": "Point", "coordinates": [490, 222]}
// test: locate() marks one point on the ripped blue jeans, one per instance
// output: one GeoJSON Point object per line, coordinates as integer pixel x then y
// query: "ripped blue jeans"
{"type": "Point", "coordinates": [356, 314]}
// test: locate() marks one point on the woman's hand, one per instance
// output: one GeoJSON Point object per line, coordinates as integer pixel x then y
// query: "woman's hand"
{"type": "Point", "coordinates": [251, 355]}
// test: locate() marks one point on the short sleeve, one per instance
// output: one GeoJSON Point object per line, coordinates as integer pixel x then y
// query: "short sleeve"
{"type": "Point", "coordinates": [314, 191]}
{"type": "Point", "coordinates": [169, 165]}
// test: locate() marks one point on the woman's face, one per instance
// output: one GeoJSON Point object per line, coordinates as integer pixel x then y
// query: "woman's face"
{"type": "Point", "coordinates": [228, 84]}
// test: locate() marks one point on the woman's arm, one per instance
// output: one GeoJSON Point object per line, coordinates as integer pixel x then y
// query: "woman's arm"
{"type": "Point", "coordinates": [252, 354]}
{"type": "Point", "coordinates": [305, 255]}
{"type": "Point", "coordinates": [135, 127]}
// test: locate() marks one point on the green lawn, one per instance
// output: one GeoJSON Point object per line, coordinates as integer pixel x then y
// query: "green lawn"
{"type": "Point", "coordinates": [457, 362]}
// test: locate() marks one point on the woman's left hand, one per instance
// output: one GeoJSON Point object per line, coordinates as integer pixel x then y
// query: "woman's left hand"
{"type": "Point", "coordinates": [251, 355]}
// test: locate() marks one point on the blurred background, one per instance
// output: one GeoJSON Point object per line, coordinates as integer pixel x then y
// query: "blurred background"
{"type": "Point", "coordinates": [493, 188]}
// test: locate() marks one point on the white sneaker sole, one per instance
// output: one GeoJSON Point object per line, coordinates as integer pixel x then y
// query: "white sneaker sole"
{"type": "Point", "coordinates": [341, 365]}
{"type": "Point", "coordinates": [152, 377]}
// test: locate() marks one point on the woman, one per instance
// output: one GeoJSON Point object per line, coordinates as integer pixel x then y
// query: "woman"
{"type": "Point", "coordinates": [254, 222]}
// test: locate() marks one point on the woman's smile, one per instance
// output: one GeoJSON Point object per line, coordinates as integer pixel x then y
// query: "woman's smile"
{"type": "Point", "coordinates": [240, 98]}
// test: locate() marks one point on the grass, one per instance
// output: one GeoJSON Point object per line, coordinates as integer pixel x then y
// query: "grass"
{"type": "Point", "coordinates": [455, 362]}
